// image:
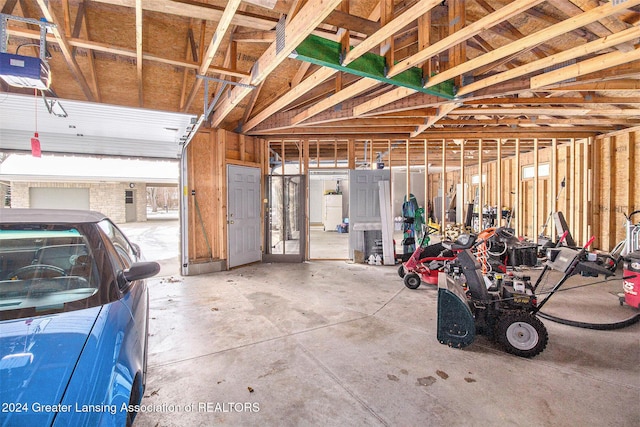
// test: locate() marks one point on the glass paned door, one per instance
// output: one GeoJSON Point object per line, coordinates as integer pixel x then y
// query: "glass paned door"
{"type": "Point", "coordinates": [285, 219]}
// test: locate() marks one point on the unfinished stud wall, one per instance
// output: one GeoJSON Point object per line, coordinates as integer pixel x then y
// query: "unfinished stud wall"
{"type": "Point", "coordinates": [207, 156]}
{"type": "Point", "coordinates": [616, 162]}
{"type": "Point", "coordinates": [599, 175]}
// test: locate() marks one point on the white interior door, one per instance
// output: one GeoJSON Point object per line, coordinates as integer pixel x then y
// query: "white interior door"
{"type": "Point", "coordinates": [243, 215]}
{"type": "Point", "coordinates": [364, 203]}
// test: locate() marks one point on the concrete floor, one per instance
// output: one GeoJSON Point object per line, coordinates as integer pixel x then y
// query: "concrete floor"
{"type": "Point", "coordinates": [332, 343]}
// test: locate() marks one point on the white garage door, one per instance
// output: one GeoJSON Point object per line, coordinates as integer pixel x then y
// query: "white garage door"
{"type": "Point", "coordinates": [59, 198]}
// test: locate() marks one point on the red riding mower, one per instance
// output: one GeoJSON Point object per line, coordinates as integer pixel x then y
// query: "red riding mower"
{"type": "Point", "coordinates": [502, 307]}
{"type": "Point", "coordinates": [494, 248]}
{"type": "Point", "coordinates": [427, 260]}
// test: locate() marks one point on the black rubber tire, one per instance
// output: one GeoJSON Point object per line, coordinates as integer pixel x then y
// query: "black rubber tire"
{"type": "Point", "coordinates": [412, 281]}
{"type": "Point", "coordinates": [522, 334]}
{"type": "Point", "coordinates": [401, 271]}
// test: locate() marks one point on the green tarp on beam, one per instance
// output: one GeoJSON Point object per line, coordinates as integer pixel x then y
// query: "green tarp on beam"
{"type": "Point", "coordinates": [320, 51]}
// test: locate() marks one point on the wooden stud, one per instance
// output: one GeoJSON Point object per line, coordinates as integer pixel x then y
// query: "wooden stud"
{"type": "Point", "coordinates": [426, 180]}
{"type": "Point", "coordinates": [407, 163]}
{"type": "Point", "coordinates": [443, 176]}
{"type": "Point", "coordinates": [586, 190]}
{"type": "Point", "coordinates": [499, 183]}
{"type": "Point", "coordinates": [631, 168]}
{"type": "Point", "coordinates": [351, 154]}
{"type": "Point", "coordinates": [536, 184]}
{"type": "Point", "coordinates": [517, 185]}
{"type": "Point", "coordinates": [481, 200]}
{"type": "Point", "coordinates": [553, 175]}
{"type": "Point", "coordinates": [462, 179]}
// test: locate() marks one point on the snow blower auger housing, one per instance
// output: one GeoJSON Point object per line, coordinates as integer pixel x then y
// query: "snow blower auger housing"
{"type": "Point", "coordinates": [502, 307]}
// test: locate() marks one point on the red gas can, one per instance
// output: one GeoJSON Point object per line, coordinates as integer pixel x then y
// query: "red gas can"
{"type": "Point", "coordinates": [631, 283]}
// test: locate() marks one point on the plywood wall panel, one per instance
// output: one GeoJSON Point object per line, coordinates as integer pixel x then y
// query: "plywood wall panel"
{"type": "Point", "coordinates": [208, 155]}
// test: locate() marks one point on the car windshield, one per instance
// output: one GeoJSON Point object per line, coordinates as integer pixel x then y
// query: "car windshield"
{"type": "Point", "coordinates": [45, 268]}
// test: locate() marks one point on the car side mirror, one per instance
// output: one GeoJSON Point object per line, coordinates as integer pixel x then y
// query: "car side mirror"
{"type": "Point", "coordinates": [137, 271]}
{"type": "Point", "coordinates": [141, 270]}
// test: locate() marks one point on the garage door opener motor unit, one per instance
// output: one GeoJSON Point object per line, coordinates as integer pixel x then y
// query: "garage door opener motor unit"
{"type": "Point", "coordinates": [24, 71]}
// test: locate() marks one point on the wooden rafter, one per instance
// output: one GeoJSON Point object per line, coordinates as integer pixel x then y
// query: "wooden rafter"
{"type": "Point", "coordinates": [552, 60]}
{"type": "Point", "coordinates": [587, 66]}
{"type": "Point", "coordinates": [80, 25]}
{"type": "Point", "coordinates": [311, 14]}
{"type": "Point", "coordinates": [130, 53]}
{"type": "Point", "coordinates": [506, 12]}
{"type": "Point", "coordinates": [66, 50]}
{"type": "Point", "coordinates": [442, 112]}
{"type": "Point", "coordinates": [530, 41]}
{"type": "Point", "coordinates": [358, 87]}
{"type": "Point", "coordinates": [216, 40]}
{"type": "Point", "coordinates": [310, 82]}
{"type": "Point", "coordinates": [396, 24]}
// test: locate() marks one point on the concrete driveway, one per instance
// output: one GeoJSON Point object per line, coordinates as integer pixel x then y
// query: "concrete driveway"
{"type": "Point", "coordinates": [159, 240]}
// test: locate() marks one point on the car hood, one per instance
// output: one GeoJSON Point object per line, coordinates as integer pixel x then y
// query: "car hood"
{"type": "Point", "coordinates": [37, 358]}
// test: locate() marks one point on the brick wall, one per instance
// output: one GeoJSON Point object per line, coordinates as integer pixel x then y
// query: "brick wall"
{"type": "Point", "coordinates": [107, 198]}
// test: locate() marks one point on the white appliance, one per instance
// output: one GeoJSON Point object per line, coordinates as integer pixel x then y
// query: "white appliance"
{"type": "Point", "coordinates": [332, 213]}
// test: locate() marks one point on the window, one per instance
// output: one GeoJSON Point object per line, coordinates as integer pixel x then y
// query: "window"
{"type": "Point", "coordinates": [125, 251]}
{"type": "Point", "coordinates": [528, 171]}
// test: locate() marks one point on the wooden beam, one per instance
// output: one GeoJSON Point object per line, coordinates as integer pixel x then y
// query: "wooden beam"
{"type": "Point", "coordinates": [533, 39]}
{"type": "Point", "coordinates": [536, 183]}
{"type": "Point", "coordinates": [66, 16]}
{"type": "Point", "coordinates": [355, 89]}
{"type": "Point", "coordinates": [575, 100]}
{"type": "Point", "coordinates": [66, 50]}
{"type": "Point", "coordinates": [310, 82]}
{"type": "Point", "coordinates": [542, 111]}
{"type": "Point", "coordinates": [457, 21]}
{"type": "Point", "coordinates": [388, 30]}
{"type": "Point", "coordinates": [310, 16]}
{"type": "Point", "coordinates": [587, 66]}
{"type": "Point", "coordinates": [517, 181]}
{"type": "Point", "coordinates": [130, 53]}
{"type": "Point", "coordinates": [600, 28]}
{"type": "Point", "coordinates": [382, 100]}
{"type": "Point", "coordinates": [198, 10]}
{"type": "Point", "coordinates": [8, 7]}
{"type": "Point", "coordinates": [80, 24]}
{"type": "Point", "coordinates": [255, 37]}
{"type": "Point", "coordinates": [443, 189]}
{"type": "Point", "coordinates": [442, 111]}
{"type": "Point", "coordinates": [592, 47]}
{"type": "Point", "coordinates": [139, 52]}
{"type": "Point", "coordinates": [510, 10]}
{"type": "Point", "coordinates": [214, 45]}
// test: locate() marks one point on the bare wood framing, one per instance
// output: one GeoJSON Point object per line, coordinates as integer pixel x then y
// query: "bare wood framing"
{"type": "Point", "coordinates": [499, 182]}
{"type": "Point", "coordinates": [219, 34]}
{"type": "Point", "coordinates": [582, 68]}
{"type": "Point", "coordinates": [66, 50]}
{"type": "Point", "coordinates": [536, 184]}
{"type": "Point", "coordinates": [518, 188]}
{"type": "Point", "coordinates": [311, 15]}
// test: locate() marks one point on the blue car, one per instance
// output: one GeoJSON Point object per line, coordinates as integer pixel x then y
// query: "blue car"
{"type": "Point", "coordinates": [74, 319]}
